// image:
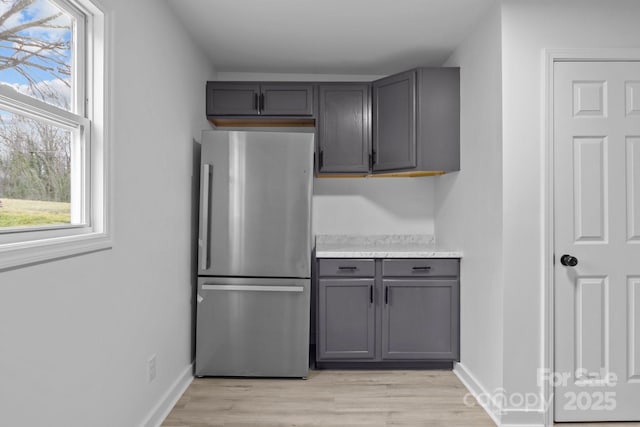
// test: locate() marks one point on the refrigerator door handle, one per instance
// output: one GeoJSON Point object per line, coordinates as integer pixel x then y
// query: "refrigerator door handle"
{"type": "Point", "coordinates": [257, 288]}
{"type": "Point", "coordinates": [205, 193]}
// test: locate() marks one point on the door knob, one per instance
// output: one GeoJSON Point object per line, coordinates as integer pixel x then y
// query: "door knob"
{"type": "Point", "coordinates": [568, 260]}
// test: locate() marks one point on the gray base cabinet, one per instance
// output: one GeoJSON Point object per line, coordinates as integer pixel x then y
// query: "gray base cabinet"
{"type": "Point", "coordinates": [387, 310]}
{"type": "Point", "coordinates": [348, 328]}
{"type": "Point", "coordinates": [419, 319]}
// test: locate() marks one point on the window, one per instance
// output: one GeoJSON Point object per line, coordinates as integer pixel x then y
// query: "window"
{"type": "Point", "coordinates": [53, 158]}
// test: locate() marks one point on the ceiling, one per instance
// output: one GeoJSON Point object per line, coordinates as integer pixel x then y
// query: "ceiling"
{"type": "Point", "coordinates": [328, 36]}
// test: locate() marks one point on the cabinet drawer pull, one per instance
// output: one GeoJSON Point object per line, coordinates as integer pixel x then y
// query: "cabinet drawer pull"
{"type": "Point", "coordinates": [424, 268]}
{"type": "Point", "coordinates": [347, 268]}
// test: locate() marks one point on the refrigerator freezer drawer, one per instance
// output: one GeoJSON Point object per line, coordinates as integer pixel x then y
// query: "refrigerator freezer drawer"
{"type": "Point", "coordinates": [253, 327]}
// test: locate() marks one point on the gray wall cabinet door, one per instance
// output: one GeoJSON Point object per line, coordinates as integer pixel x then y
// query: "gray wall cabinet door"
{"type": "Point", "coordinates": [232, 99]}
{"type": "Point", "coordinates": [344, 136]}
{"type": "Point", "coordinates": [286, 99]}
{"type": "Point", "coordinates": [420, 319]}
{"type": "Point", "coordinates": [394, 122]}
{"type": "Point", "coordinates": [346, 319]}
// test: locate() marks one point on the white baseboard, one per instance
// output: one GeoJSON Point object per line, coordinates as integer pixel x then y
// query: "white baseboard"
{"type": "Point", "coordinates": [169, 399]}
{"type": "Point", "coordinates": [477, 390]}
{"type": "Point", "coordinates": [503, 417]}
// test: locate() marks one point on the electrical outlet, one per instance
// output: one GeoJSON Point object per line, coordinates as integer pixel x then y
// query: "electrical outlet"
{"type": "Point", "coordinates": [151, 368]}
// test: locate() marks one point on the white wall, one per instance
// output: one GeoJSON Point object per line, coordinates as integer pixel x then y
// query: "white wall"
{"type": "Point", "coordinates": [528, 28]}
{"type": "Point", "coordinates": [469, 202]}
{"type": "Point", "coordinates": [361, 205]}
{"type": "Point", "coordinates": [374, 205]}
{"type": "Point", "coordinates": [75, 334]}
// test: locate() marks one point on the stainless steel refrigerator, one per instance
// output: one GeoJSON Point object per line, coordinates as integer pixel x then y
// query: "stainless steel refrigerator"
{"type": "Point", "coordinates": [254, 260]}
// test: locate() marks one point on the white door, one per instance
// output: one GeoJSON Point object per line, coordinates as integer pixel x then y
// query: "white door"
{"type": "Point", "coordinates": [597, 221]}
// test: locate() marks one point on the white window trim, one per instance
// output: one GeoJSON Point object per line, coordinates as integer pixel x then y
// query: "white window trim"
{"type": "Point", "coordinates": [36, 246]}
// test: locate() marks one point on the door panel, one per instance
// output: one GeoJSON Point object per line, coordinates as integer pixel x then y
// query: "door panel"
{"type": "Point", "coordinates": [232, 99]}
{"type": "Point", "coordinates": [343, 128]}
{"type": "Point", "coordinates": [346, 319]}
{"type": "Point", "coordinates": [259, 205]}
{"type": "Point", "coordinates": [596, 188]}
{"type": "Point", "coordinates": [394, 122]}
{"type": "Point", "coordinates": [590, 189]}
{"type": "Point", "coordinates": [592, 328]}
{"type": "Point", "coordinates": [633, 188]}
{"type": "Point", "coordinates": [419, 319]}
{"type": "Point", "coordinates": [633, 321]}
{"type": "Point", "coordinates": [286, 100]}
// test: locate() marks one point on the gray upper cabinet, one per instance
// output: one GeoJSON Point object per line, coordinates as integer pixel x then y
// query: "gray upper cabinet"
{"type": "Point", "coordinates": [344, 136]}
{"type": "Point", "coordinates": [394, 122]}
{"type": "Point", "coordinates": [286, 99]}
{"type": "Point", "coordinates": [438, 119]}
{"type": "Point", "coordinates": [419, 319]}
{"type": "Point", "coordinates": [416, 121]}
{"type": "Point", "coordinates": [259, 99]}
{"type": "Point", "coordinates": [237, 99]}
{"type": "Point", "coordinates": [407, 124]}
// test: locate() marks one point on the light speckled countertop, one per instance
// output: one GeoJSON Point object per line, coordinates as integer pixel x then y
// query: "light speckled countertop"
{"type": "Point", "coordinates": [381, 246]}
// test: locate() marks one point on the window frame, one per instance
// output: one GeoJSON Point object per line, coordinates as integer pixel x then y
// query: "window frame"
{"type": "Point", "coordinates": [90, 106]}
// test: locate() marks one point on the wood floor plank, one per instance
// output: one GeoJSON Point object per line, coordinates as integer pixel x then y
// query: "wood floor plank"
{"type": "Point", "coordinates": [333, 398]}
{"type": "Point", "coordinates": [329, 398]}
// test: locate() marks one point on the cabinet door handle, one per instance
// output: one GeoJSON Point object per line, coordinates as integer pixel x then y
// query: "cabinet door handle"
{"type": "Point", "coordinates": [422, 268]}
{"type": "Point", "coordinates": [321, 160]}
{"type": "Point", "coordinates": [255, 101]}
{"type": "Point", "coordinates": [370, 294]}
{"type": "Point", "coordinates": [386, 295]}
{"type": "Point", "coordinates": [374, 157]}
{"type": "Point", "coordinates": [261, 102]}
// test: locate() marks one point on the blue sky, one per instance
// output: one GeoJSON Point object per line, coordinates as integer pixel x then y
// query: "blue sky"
{"type": "Point", "coordinates": [38, 10]}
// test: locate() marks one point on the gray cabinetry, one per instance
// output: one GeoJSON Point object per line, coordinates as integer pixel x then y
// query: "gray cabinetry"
{"type": "Point", "coordinates": [387, 312]}
{"type": "Point", "coordinates": [394, 122]}
{"type": "Point", "coordinates": [286, 99]}
{"type": "Point", "coordinates": [438, 111]}
{"type": "Point", "coordinates": [238, 99]}
{"type": "Point", "coordinates": [259, 99]}
{"type": "Point", "coordinates": [346, 319]}
{"type": "Point", "coordinates": [344, 136]}
{"type": "Point", "coordinates": [407, 124]}
{"type": "Point", "coordinates": [419, 319]}
{"type": "Point", "coordinates": [416, 121]}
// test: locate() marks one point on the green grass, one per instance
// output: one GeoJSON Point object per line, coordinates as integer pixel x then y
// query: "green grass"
{"type": "Point", "coordinates": [28, 213]}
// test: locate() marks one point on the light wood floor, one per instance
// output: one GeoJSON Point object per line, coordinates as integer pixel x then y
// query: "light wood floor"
{"type": "Point", "coordinates": [334, 398]}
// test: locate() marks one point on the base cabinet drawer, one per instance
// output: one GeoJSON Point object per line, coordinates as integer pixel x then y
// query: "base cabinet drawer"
{"type": "Point", "coordinates": [420, 267]}
{"type": "Point", "coordinates": [346, 267]}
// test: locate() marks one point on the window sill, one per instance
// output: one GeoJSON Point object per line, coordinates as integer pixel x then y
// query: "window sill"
{"type": "Point", "coordinates": [37, 251]}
